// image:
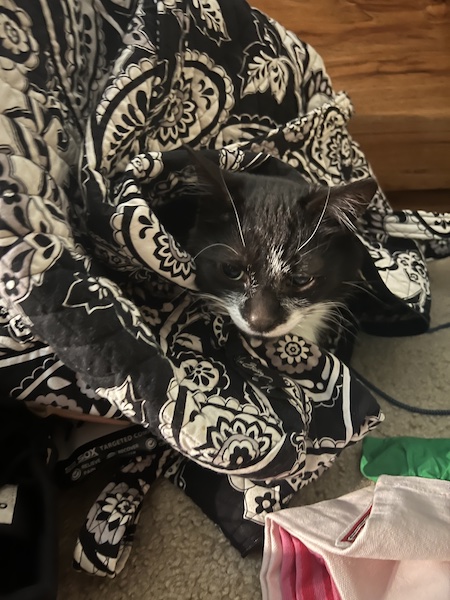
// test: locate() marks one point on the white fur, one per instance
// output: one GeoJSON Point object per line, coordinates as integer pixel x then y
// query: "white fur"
{"type": "Point", "coordinates": [238, 319]}
{"type": "Point", "coordinates": [305, 322]}
{"type": "Point", "coordinates": [313, 322]}
{"type": "Point", "coordinates": [348, 210]}
{"type": "Point", "coordinates": [276, 264]}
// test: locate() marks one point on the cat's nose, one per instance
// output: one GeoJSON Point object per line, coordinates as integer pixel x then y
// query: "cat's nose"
{"type": "Point", "coordinates": [261, 323]}
{"type": "Point", "coordinates": [262, 312]}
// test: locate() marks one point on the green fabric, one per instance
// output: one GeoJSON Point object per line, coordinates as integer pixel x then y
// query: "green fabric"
{"type": "Point", "coordinates": [419, 457]}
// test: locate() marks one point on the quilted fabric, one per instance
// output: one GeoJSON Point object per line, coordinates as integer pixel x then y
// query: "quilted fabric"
{"type": "Point", "coordinates": [98, 307]}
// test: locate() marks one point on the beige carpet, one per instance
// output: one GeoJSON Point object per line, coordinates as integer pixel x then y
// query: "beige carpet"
{"type": "Point", "coordinates": [179, 554]}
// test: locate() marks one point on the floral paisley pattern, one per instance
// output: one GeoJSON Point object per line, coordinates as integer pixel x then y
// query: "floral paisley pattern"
{"type": "Point", "coordinates": [18, 46]}
{"type": "Point", "coordinates": [172, 258]}
{"type": "Point", "coordinates": [235, 440]}
{"type": "Point", "coordinates": [151, 246]}
{"type": "Point", "coordinates": [146, 165]}
{"type": "Point", "coordinates": [199, 374]}
{"type": "Point", "coordinates": [265, 68]}
{"type": "Point", "coordinates": [123, 397]}
{"type": "Point", "coordinates": [199, 102]}
{"type": "Point", "coordinates": [209, 20]}
{"type": "Point", "coordinates": [292, 354]}
{"type": "Point", "coordinates": [116, 511]}
{"type": "Point", "coordinates": [98, 312]}
{"type": "Point", "coordinates": [121, 131]}
{"type": "Point", "coordinates": [31, 236]}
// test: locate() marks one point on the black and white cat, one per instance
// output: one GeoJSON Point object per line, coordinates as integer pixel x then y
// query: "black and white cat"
{"type": "Point", "coordinates": [276, 254]}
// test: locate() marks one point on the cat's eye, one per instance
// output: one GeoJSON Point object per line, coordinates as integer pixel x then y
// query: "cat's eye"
{"type": "Point", "coordinates": [234, 272]}
{"type": "Point", "coordinates": [302, 281]}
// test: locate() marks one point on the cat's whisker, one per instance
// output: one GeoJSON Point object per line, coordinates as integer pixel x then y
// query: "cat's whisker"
{"type": "Point", "coordinates": [183, 291]}
{"type": "Point", "coordinates": [322, 214]}
{"type": "Point", "coordinates": [338, 307]}
{"type": "Point", "coordinates": [339, 326]}
{"type": "Point", "coordinates": [359, 282]}
{"type": "Point", "coordinates": [236, 214]}
{"type": "Point", "coordinates": [217, 303]}
{"type": "Point", "coordinates": [212, 246]}
{"type": "Point", "coordinates": [360, 288]}
{"type": "Point", "coordinates": [335, 319]}
{"type": "Point", "coordinates": [339, 323]}
{"type": "Point", "coordinates": [314, 249]}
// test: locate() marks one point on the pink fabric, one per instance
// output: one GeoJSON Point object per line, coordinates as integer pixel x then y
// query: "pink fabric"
{"type": "Point", "coordinates": [304, 575]}
{"type": "Point", "coordinates": [288, 567]}
{"type": "Point", "coordinates": [388, 542]}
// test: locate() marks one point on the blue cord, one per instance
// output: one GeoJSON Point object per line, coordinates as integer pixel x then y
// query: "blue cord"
{"type": "Point", "coordinates": [436, 412]}
{"type": "Point", "coordinates": [438, 328]}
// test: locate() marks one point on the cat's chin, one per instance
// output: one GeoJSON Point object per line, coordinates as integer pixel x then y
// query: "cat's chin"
{"type": "Point", "coordinates": [307, 323]}
{"type": "Point", "coordinates": [307, 332]}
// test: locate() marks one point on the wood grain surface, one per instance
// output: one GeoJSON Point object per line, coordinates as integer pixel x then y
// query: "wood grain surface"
{"type": "Point", "coordinates": [393, 58]}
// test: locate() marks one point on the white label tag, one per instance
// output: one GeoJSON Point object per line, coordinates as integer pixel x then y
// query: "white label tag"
{"type": "Point", "coordinates": [8, 497]}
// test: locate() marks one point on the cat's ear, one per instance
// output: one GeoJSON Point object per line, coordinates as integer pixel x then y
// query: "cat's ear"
{"type": "Point", "coordinates": [346, 203]}
{"type": "Point", "coordinates": [210, 176]}
{"type": "Point", "coordinates": [221, 190]}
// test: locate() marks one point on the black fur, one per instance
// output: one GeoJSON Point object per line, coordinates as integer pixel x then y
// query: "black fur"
{"type": "Point", "coordinates": [243, 222]}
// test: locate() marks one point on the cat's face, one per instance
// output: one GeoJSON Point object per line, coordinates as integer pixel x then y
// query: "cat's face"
{"type": "Point", "coordinates": [277, 255]}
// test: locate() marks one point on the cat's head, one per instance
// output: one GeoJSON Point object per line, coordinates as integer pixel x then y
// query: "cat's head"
{"type": "Point", "coordinates": [275, 253]}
